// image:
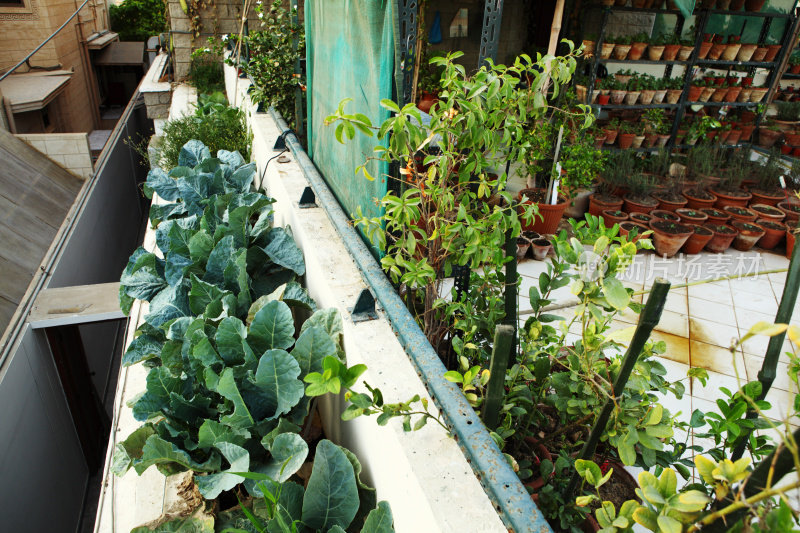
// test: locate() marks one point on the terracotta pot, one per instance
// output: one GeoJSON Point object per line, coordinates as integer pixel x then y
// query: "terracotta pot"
{"type": "Point", "coordinates": [723, 4]}
{"type": "Point", "coordinates": [753, 5]}
{"type": "Point", "coordinates": [637, 141]}
{"type": "Point", "coordinates": [636, 51]}
{"type": "Point", "coordinates": [625, 140]}
{"type": "Point", "coordinates": [426, 101]}
{"type": "Point", "coordinates": [705, 95]}
{"type": "Point", "coordinates": [736, 5]}
{"type": "Point", "coordinates": [662, 140]}
{"type": "Point", "coordinates": [744, 95]}
{"type": "Point", "coordinates": [767, 212]}
{"type": "Point", "coordinates": [695, 202]}
{"type": "Point", "coordinates": [697, 240]}
{"type": "Point", "coordinates": [690, 216]}
{"type": "Point", "coordinates": [792, 210]}
{"type": "Point", "coordinates": [757, 94]}
{"type": "Point", "coordinates": [694, 93]}
{"type": "Point", "coordinates": [731, 52]}
{"type": "Point", "coordinates": [599, 140]}
{"type": "Point", "coordinates": [747, 131]}
{"type": "Point", "coordinates": [794, 69]}
{"type": "Point", "coordinates": [719, 94]}
{"type": "Point", "coordinates": [523, 245]}
{"type": "Point", "coordinates": [772, 52]}
{"type": "Point", "coordinates": [669, 237]}
{"type": "Point", "coordinates": [740, 213]}
{"type": "Point", "coordinates": [603, 99]}
{"type": "Point", "coordinates": [617, 96]}
{"type": "Point", "coordinates": [668, 204]}
{"type": "Point", "coordinates": [655, 51]}
{"type": "Point", "coordinates": [790, 238]}
{"type": "Point", "coordinates": [638, 205]}
{"type": "Point", "coordinates": [749, 235]}
{"type": "Point", "coordinates": [760, 54]}
{"type": "Point", "coordinates": [663, 214]}
{"type": "Point", "coordinates": [611, 136]}
{"type": "Point", "coordinates": [792, 139]}
{"type": "Point", "coordinates": [768, 138]}
{"type": "Point", "coordinates": [732, 94]}
{"type": "Point", "coordinates": [722, 136]}
{"type": "Point", "coordinates": [588, 48]}
{"type": "Point", "coordinates": [746, 52]}
{"type": "Point", "coordinates": [621, 51]}
{"type": "Point", "coordinates": [641, 218]}
{"type": "Point", "coordinates": [550, 215]}
{"type": "Point", "coordinates": [685, 52]}
{"type": "Point", "coordinates": [631, 97]}
{"type": "Point", "coordinates": [716, 51]}
{"type": "Point", "coordinates": [774, 232]}
{"type": "Point", "coordinates": [766, 198]}
{"type": "Point", "coordinates": [607, 48]}
{"type": "Point", "coordinates": [715, 216]}
{"type": "Point", "coordinates": [646, 97]}
{"type": "Point", "coordinates": [670, 52]}
{"type": "Point", "coordinates": [628, 225]}
{"type": "Point", "coordinates": [599, 204]}
{"type": "Point", "coordinates": [733, 137]}
{"type": "Point", "coordinates": [705, 47]}
{"type": "Point", "coordinates": [612, 217]}
{"type": "Point", "coordinates": [722, 239]}
{"type": "Point", "coordinates": [541, 248]}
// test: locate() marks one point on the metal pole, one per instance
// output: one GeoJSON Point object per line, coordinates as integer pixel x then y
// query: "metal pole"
{"type": "Point", "coordinates": [501, 352]}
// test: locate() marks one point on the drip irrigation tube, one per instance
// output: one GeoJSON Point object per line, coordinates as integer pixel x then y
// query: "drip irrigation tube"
{"type": "Point", "coordinates": [500, 482]}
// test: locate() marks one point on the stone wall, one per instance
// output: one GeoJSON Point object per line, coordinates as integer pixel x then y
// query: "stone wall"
{"type": "Point", "coordinates": [225, 17]}
{"type": "Point", "coordinates": [70, 150]}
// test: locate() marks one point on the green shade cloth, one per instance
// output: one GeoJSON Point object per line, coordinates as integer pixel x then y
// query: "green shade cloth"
{"type": "Point", "coordinates": [350, 54]}
{"type": "Point", "coordinates": [686, 7]}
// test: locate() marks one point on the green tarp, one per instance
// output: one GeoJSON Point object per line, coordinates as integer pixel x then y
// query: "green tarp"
{"type": "Point", "coordinates": [350, 54]}
{"type": "Point", "coordinates": [686, 7]}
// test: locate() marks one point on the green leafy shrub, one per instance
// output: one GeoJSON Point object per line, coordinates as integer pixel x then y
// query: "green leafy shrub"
{"type": "Point", "coordinates": [136, 20]}
{"type": "Point", "coordinates": [205, 71]}
{"type": "Point", "coordinates": [223, 302]}
{"type": "Point", "coordinates": [217, 127]}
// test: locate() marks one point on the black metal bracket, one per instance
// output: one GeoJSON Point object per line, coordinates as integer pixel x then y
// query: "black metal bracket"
{"type": "Point", "coordinates": [307, 199]}
{"type": "Point", "coordinates": [364, 309]}
{"type": "Point", "coordinates": [280, 142]}
{"type": "Point", "coordinates": [490, 33]}
{"type": "Point", "coordinates": [409, 11]}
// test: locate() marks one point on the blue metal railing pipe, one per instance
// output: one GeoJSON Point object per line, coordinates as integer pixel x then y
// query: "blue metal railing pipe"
{"type": "Point", "coordinates": [501, 483]}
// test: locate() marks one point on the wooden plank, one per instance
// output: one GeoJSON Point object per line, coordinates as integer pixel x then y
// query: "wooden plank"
{"type": "Point", "coordinates": [14, 281]}
{"type": "Point", "coordinates": [75, 305]}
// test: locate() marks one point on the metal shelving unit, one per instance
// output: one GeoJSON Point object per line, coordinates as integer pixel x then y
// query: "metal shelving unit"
{"type": "Point", "coordinates": [702, 17]}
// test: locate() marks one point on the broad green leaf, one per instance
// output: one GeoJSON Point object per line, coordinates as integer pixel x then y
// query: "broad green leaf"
{"type": "Point", "coordinates": [142, 348]}
{"type": "Point", "coordinates": [615, 293]}
{"type": "Point", "coordinates": [311, 348]}
{"type": "Point", "coordinates": [211, 485]}
{"type": "Point", "coordinates": [170, 303]}
{"type": "Point", "coordinates": [331, 497]}
{"type": "Point", "coordinates": [161, 184]}
{"type": "Point", "coordinates": [654, 416]}
{"type": "Point", "coordinates": [289, 452]}
{"type": "Point", "coordinates": [367, 495]}
{"type": "Point", "coordinates": [201, 294]}
{"type": "Point", "coordinates": [272, 327]}
{"type": "Point", "coordinates": [328, 319]}
{"type": "Point", "coordinates": [296, 295]}
{"type": "Point", "coordinates": [282, 250]}
{"type": "Point", "coordinates": [193, 190]}
{"type": "Point", "coordinates": [144, 279]}
{"type": "Point", "coordinates": [231, 343]}
{"type": "Point", "coordinates": [188, 524]}
{"type": "Point", "coordinates": [212, 433]}
{"type": "Point", "coordinates": [193, 153]}
{"type": "Point", "coordinates": [232, 159]}
{"type": "Point", "coordinates": [379, 520]}
{"type": "Point", "coordinates": [667, 524]}
{"type": "Point", "coordinates": [278, 389]}
{"type": "Point", "coordinates": [218, 260]}
{"type": "Point", "coordinates": [200, 246]}
{"type": "Point", "coordinates": [241, 179]}
{"type": "Point", "coordinates": [240, 417]}
{"type": "Point", "coordinates": [157, 451]}
{"type": "Point", "coordinates": [130, 450]}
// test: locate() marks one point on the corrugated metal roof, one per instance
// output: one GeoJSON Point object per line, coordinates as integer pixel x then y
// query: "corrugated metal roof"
{"type": "Point", "coordinates": [35, 196]}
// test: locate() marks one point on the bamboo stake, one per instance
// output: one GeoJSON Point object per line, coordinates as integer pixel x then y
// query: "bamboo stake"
{"type": "Point", "coordinates": [417, 51]}
{"type": "Point", "coordinates": [503, 337]}
{"type": "Point", "coordinates": [768, 368]}
{"type": "Point", "coordinates": [647, 321]}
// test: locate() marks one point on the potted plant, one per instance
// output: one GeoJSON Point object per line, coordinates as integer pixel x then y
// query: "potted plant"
{"type": "Point", "coordinates": [686, 49]}
{"type": "Point", "coordinates": [717, 47]}
{"type": "Point", "coordinates": [732, 50]}
{"type": "Point", "coordinates": [638, 46]}
{"type": "Point", "coordinates": [674, 90]}
{"type": "Point", "coordinates": [662, 214]}
{"type": "Point", "coordinates": [612, 131]}
{"type": "Point", "coordinates": [767, 189]}
{"type": "Point", "coordinates": [582, 162]}
{"type": "Point", "coordinates": [715, 216]}
{"type": "Point", "coordinates": [626, 229]}
{"type": "Point", "coordinates": [656, 48]}
{"type": "Point", "coordinates": [607, 48]}
{"type": "Point", "coordinates": [618, 92]}
{"type": "Point", "coordinates": [758, 93]}
{"type": "Point", "coordinates": [768, 134]}
{"type": "Point", "coordinates": [622, 45]}
{"type": "Point", "coordinates": [746, 52]}
{"type": "Point", "coordinates": [641, 218]}
{"type": "Point", "coordinates": [691, 216]}
{"type": "Point", "coordinates": [705, 46]}
{"type": "Point", "coordinates": [541, 247]}
{"type": "Point", "coordinates": [768, 212]}
{"type": "Point", "coordinates": [794, 64]}
{"type": "Point", "coordinates": [589, 45]}
{"type": "Point", "coordinates": [669, 236]}
{"type": "Point", "coordinates": [774, 232]}
{"type": "Point", "coordinates": [626, 135]}
{"type": "Point", "coordinates": [647, 86]}
{"type": "Point", "coordinates": [638, 199]}
{"type": "Point", "coordinates": [722, 239]}
{"type": "Point", "coordinates": [697, 240]}
{"type": "Point", "coordinates": [792, 210]}
{"type": "Point", "coordinates": [740, 213]}
{"type": "Point", "coordinates": [728, 190]}
{"type": "Point", "coordinates": [748, 236]}
{"type": "Point", "coordinates": [791, 236]}
{"type": "Point", "coordinates": [672, 46]}
{"type": "Point", "coordinates": [700, 163]}
{"type": "Point", "coordinates": [639, 135]}
{"type": "Point", "coordinates": [615, 174]}
{"type": "Point", "coordinates": [633, 90]}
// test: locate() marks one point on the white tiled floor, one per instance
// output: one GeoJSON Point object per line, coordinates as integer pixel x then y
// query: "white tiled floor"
{"type": "Point", "coordinates": [700, 321]}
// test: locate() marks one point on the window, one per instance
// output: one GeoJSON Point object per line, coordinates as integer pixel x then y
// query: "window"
{"type": "Point", "coordinates": [12, 3]}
